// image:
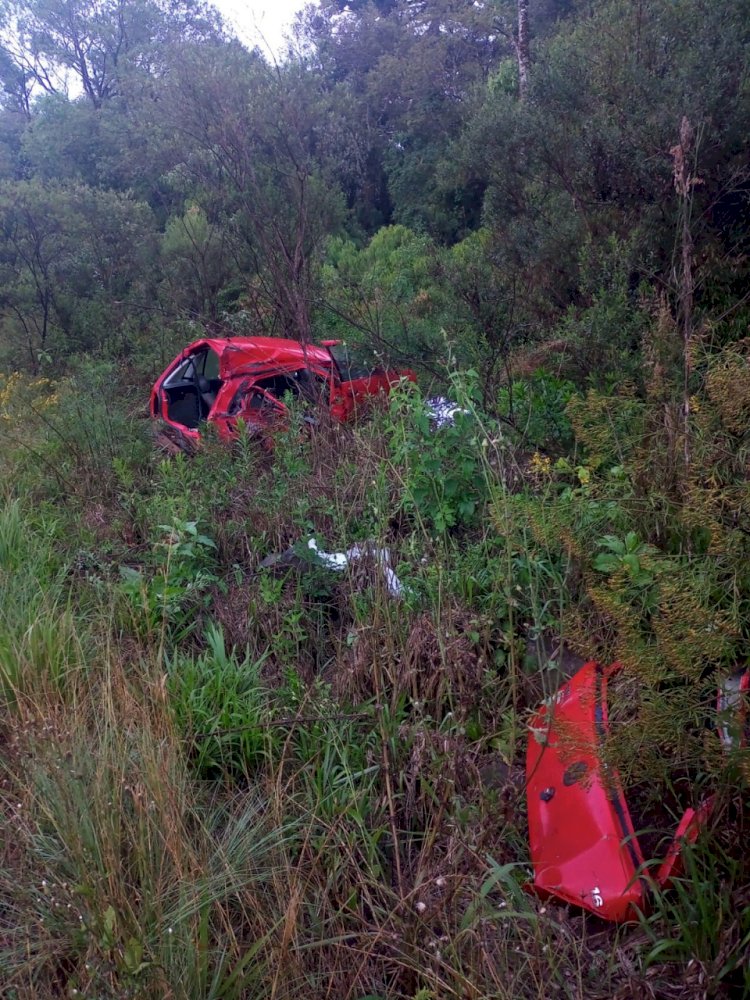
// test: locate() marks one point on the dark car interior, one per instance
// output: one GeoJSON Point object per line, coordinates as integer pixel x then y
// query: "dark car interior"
{"type": "Point", "coordinates": [192, 387]}
{"type": "Point", "coordinates": [300, 383]}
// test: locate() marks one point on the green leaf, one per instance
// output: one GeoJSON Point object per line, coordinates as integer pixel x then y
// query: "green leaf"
{"type": "Point", "coordinates": [632, 563]}
{"type": "Point", "coordinates": [109, 922]}
{"type": "Point", "coordinates": [133, 956]}
{"type": "Point", "coordinates": [606, 563]}
{"type": "Point", "coordinates": [130, 575]}
{"type": "Point", "coordinates": [613, 543]}
{"type": "Point", "coordinates": [632, 543]}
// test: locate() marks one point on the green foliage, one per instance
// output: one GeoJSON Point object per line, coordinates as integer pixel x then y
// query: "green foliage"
{"type": "Point", "coordinates": [537, 408]}
{"type": "Point", "coordinates": [368, 729]}
{"type": "Point", "coordinates": [196, 260]}
{"type": "Point", "coordinates": [41, 643]}
{"type": "Point", "coordinates": [340, 771]}
{"type": "Point", "coordinates": [485, 324]}
{"type": "Point", "coordinates": [704, 919]}
{"type": "Point", "coordinates": [607, 425]}
{"type": "Point", "coordinates": [129, 880]}
{"type": "Point", "coordinates": [104, 46]}
{"type": "Point", "coordinates": [443, 482]}
{"type": "Point", "coordinates": [386, 295]}
{"type": "Point", "coordinates": [624, 554]}
{"type": "Point", "coordinates": [220, 708]}
{"type": "Point", "coordinates": [169, 593]}
{"type": "Point", "coordinates": [70, 257]}
{"type": "Point", "coordinates": [603, 334]}
{"type": "Point", "coordinates": [324, 785]}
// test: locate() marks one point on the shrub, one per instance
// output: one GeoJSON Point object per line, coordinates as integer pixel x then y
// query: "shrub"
{"type": "Point", "coordinates": [441, 471]}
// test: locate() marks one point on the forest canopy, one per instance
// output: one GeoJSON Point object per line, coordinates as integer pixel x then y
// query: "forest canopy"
{"type": "Point", "coordinates": [413, 175]}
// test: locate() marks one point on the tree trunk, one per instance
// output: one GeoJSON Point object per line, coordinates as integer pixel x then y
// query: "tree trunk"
{"type": "Point", "coordinates": [522, 49]}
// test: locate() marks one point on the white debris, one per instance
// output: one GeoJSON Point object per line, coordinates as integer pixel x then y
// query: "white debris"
{"type": "Point", "coordinates": [442, 411]}
{"type": "Point", "coordinates": [338, 561]}
{"type": "Point", "coordinates": [382, 558]}
{"type": "Point", "coordinates": [331, 560]}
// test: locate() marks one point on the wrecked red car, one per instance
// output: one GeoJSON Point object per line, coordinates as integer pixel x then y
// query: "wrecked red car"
{"type": "Point", "coordinates": [223, 380]}
{"type": "Point", "coordinates": [583, 847]}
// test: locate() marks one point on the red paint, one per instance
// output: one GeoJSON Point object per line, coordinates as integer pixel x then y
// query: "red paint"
{"type": "Point", "coordinates": [582, 844]}
{"type": "Point", "coordinates": [691, 824]}
{"type": "Point", "coordinates": [223, 380]}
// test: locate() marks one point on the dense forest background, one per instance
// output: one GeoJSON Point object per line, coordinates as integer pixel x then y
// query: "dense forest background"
{"type": "Point", "coordinates": [220, 779]}
{"type": "Point", "coordinates": [390, 179]}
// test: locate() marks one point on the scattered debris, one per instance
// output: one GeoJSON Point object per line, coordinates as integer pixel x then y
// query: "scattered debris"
{"type": "Point", "coordinates": [442, 411]}
{"type": "Point", "coordinates": [733, 711]}
{"type": "Point", "coordinates": [307, 555]}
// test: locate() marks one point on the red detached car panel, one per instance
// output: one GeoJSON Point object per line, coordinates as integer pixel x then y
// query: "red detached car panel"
{"type": "Point", "coordinates": [582, 844]}
{"type": "Point", "coordinates": [580, 834]}
{"type": "Point", "coordinates": [223, 380]}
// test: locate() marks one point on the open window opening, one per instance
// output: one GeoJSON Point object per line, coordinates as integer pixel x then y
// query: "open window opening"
{"type": "Point", "coordinates": [191, 389]}
{"type": "Point", "coordinates": [352, 363]}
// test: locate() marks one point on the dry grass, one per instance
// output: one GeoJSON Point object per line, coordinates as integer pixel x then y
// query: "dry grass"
{"type": "Point", "coordinates": [376, 847]}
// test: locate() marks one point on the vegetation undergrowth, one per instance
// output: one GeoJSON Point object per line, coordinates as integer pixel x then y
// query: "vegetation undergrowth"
{"type": "Point", "coordinates": [226, 779]}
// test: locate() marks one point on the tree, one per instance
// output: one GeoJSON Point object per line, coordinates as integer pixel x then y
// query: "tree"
{"type": "Point", "coordinates": [586, 158]}
{"type": "Point", "coordinates": [252, 135]}
{"type": "Point", "coordinates": [70, 258]}
{"type": "Point", "coordinates": [196, 262]}
{"type": "Point", "coordinates": [99, 42]}
{"type": "Point", "coordinates": [522, 49]}
{"type": "Point", "coordinates": [489, 308]}
{"type": "Point", "coordinates": [410, 78]}
{"type": "Point", "coordinates": [389, 297]}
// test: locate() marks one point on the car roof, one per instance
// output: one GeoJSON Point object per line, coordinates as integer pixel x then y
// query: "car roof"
{"type": "Point", "coordinates": [241, 352]}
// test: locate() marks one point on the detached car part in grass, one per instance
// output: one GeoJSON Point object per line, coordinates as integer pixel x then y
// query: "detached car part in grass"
{"type": "Point", "coordinates": [223, 380]}
{"type": "Point", "coordinates": [584, 849]}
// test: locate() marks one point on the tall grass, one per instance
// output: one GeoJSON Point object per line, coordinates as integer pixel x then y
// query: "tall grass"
{"type": "Point", "coordinates": [122, 874]}
{"type": "Point", "coordinates": [300, 787]}
{"type": "Point", "coordinates": [41, 640]}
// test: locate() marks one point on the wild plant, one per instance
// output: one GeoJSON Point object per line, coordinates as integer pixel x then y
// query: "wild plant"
{"type": "Point", "coordinates": [42, 638]}
{"type": "Point", "coordinates": [167, 597]}
{"type": "Point", "coordinates": [701, 923]}
{"type": "Point", "coordinates": [220, 707]}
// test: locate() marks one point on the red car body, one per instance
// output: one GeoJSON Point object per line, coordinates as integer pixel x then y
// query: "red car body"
{"type": "Point", "coordinates": [583, 847]}
{"type": "Point", "coordinates": [226, 379]}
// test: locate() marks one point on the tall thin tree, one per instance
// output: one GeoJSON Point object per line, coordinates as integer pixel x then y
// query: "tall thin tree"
{"type": "Point", "coordinates": [522, 49]}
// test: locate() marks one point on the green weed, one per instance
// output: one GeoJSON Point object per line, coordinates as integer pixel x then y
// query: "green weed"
{"type": "Point", "coordinates": [220, 707]}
